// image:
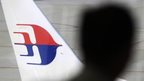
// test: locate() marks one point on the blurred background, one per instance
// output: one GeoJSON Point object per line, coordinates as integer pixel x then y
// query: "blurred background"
{"type": "Point", "coordinates": [65, 16]}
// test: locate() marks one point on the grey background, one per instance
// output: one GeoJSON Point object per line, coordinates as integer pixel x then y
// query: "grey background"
{"type": "Point", "coordinates": [64, 15]}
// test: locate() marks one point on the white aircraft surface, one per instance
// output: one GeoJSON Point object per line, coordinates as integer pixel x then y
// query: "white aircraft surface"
{"type": "Point", "coordinates": [40, 51]}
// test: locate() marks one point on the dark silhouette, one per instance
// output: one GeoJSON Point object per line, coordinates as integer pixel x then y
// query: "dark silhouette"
{"type": "Point", "coordinates": [106, 39]}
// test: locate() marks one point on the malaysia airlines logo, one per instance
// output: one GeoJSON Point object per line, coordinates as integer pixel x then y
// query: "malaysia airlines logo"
{"type": "Point", "coordinates": [45, 43]}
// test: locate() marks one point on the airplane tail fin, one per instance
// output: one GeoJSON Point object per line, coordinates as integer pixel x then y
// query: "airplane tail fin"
{"type": "Point", "coordinates": [40, 51]}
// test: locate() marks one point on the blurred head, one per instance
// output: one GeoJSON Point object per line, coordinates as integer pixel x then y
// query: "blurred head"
{"type": "Point", "coordinates": [106, 38]}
